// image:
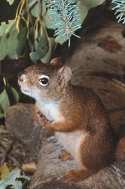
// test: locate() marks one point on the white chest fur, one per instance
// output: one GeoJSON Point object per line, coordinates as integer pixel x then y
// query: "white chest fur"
{"type": "Point", "coordinates": [51, 110]}
{"type": "Point", "coordinates": [71, 142]}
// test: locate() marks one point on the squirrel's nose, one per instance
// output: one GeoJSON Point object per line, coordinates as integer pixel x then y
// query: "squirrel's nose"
{"type": "Point", "coordinates": [21, 77]}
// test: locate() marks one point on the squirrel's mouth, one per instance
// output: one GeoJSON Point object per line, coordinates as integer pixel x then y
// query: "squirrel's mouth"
{"type": "Point", "coordinates": [24, 88]}
{"type": "Point", "coordinates": [25, 91]}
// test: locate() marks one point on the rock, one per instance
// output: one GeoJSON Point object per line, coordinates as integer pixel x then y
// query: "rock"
{"type": "Point", "coordinates": [22, 126]}
{"type": "Point", "coordinates": [5, 143]}
{"type": "Point", "coordinates": [27, 135]}
{"type": "Point", "coordinates": [51, 169]}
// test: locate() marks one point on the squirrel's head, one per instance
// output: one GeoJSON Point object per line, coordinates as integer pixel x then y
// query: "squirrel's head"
{"type": "Point", "coordinates": [46, 81]}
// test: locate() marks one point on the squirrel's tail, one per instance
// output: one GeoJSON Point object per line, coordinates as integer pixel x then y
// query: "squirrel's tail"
{"type": "Point", "coordinates": [117, 119]}
{"type": "Point", "coordinates": [120, 150]}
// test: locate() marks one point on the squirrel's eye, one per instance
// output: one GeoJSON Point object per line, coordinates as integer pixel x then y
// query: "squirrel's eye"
{"type": "Point", "coordinates": [44, 80]}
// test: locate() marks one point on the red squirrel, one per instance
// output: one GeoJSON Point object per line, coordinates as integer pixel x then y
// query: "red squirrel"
{"type": "Point", "coordinates": [76, 115]}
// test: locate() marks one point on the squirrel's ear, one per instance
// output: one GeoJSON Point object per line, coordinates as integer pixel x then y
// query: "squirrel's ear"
{"type": "Point", "coordinates": [65, 73]}
{"type": "Point", "coordinates": [56, 61]}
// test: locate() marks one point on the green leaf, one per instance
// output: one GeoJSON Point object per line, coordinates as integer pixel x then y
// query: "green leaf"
{"type": "Point", "coordinates": [4, 100]}
{"type": "Point", "coordinates": [41, 44]}
{"type": "Point", "coordinates": [36, 10]}
{"type": "Point", "coordinates": [1, 113]}
{"type": "Point", "coordinates": [35, 7]}
{"type": "Point", "coordinates": [46, 58]}
{"type": "Point", "coordinates": [31, 3]}
{"type": "Point", "coordinates": [83, 11]}
{"type": "Point", "coordinates": [15, 94]}
{"type": "Point", "coordinates": [21, 38]}
{"type": "Point", "coordinates": [4, 27]}
{"type": "Point", "coordinates": [12, 42]}
{"type": "Point", "coordinates": [35, 56]}
{"type": "Point", "coordinates": [43, 9]}
{"type": "Point", "coordinates": [10, 2]}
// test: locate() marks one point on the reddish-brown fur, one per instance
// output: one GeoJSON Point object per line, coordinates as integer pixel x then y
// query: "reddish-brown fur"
{"type": "Point", "coordinates": [82, 110]}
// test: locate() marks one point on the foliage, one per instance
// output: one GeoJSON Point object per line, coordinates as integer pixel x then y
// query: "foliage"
{"type": "Point", "coordinates": [5, 100]}
{"type": "Point", "coordinates": [11, 41]}
{"type": "Point", "coordinates": [63, 17]}
{"type": "Point", "coordinates": [33, 18]}
{"type": "Point", "coordinates": [119, 7]}
{"type": "Point", "coordinates": [42, 44]}
{"type": "Point", "coordinates": [13, 179]}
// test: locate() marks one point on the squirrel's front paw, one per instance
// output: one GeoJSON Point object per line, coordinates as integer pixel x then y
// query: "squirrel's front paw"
{"type": "Point", "coordinates": [48, 126]}
{"type": "Point", "coordinates": [41, 119]}
{"type": "Point", "coordinates": [64, 155]}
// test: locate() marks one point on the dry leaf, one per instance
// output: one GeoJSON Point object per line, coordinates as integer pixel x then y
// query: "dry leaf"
{"type": "Point", "coordinates": [4, 171]}
{"type": "Point", "coordinates": [29, 167]}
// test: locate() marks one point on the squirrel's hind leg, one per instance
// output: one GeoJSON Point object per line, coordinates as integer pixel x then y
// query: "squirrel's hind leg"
{"type": "Point", "coordinates": [97, 151]}
{"type": "Point", "coordinates": [77, 175]}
